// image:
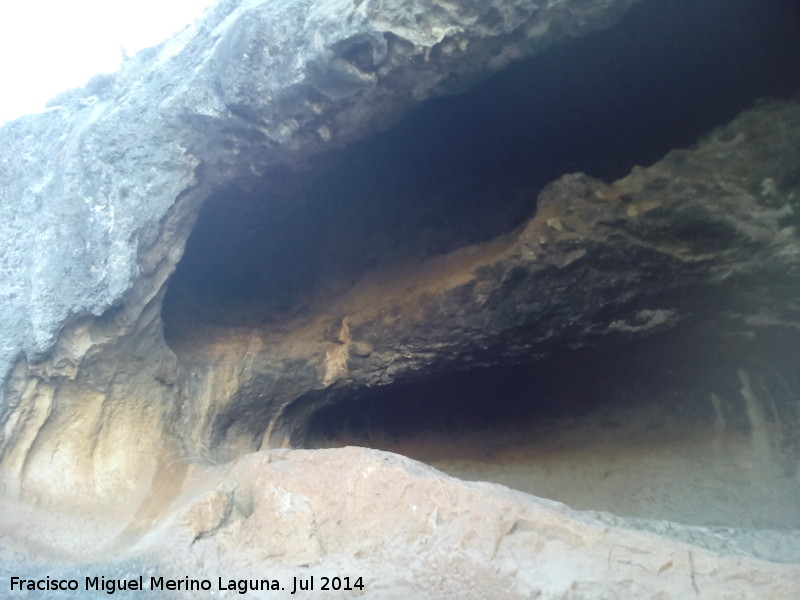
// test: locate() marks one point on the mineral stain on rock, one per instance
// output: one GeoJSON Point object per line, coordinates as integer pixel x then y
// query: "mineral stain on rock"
{"type": "Point", "coordinates": [549, 245]}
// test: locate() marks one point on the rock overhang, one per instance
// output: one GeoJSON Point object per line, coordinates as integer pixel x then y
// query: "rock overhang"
{"type": "Point", "coordinates": [255, 372]}
{"type": "Point", "coordinates": [459, 171]}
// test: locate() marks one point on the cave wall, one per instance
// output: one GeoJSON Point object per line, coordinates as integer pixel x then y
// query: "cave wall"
{"type": "Point", "coordinates": [104, 187]}
{"type": "Point", "coordinates": [94, 176]}
{"type": "Point", "coordinates": [290, 295]}
{"type": "Point", "coordinates": [253, 235]}
{"type": "Point", "coordinates": [466, 168]}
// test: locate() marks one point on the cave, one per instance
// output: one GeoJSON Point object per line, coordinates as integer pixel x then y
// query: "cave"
{"type": "Point", "coordinates": [466, 168]}
{"type": "Point", "coordinates": [635, 427]}
{"type": "Point", "coordinates": [664, 429]}
{"type": "Point", "coordinates": [457, 299]}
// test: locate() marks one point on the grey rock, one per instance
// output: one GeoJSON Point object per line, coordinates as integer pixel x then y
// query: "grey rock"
{"type": "Point", "coordinates": [86, 183]}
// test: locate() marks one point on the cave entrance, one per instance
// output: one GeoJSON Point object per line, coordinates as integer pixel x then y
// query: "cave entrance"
{"type": "Point", "coordinates": [627, 435]}
{"type": "Point", "coordinates": [466, 168]}
{"type": "Point", "coordinates": [662, 429]}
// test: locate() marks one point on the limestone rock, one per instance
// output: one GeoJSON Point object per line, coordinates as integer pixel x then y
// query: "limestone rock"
{"type": "Point", "coordinates": [678, 245]}
{"type": "Point", "coordinates": [89, 183]}
{"type": "Point", "coordinates": [101, 190]}
{"type": "Point", "coordinates": [147, 380]}
{"type": "Point", "coordinates": [411, 531]}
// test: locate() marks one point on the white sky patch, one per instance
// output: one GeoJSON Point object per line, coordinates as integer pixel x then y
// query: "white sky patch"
{"type": "Point", "coordinates": [48, 46]}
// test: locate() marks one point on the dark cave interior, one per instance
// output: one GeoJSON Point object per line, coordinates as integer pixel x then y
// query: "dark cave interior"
{"type": "Point", "coordinates": [558, 388]}
{"type": "Point", "coordinates": [664, 428]}
{"type": "Point", "coordinates": [466, 168]}
{"type": "Point", "coordinates": [672, 374]}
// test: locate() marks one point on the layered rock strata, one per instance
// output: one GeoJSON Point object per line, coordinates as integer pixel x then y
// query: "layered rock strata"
{"type": "Point", "coordinates": [104, 411]}
{"type": "Point", "coordinates": [103, 189]}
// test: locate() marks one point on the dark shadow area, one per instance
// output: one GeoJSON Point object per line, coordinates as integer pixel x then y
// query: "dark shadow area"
{"type": "Point", "coordinates": [696, 425]}
{"type": "Point", "coordinates": [663, 428]}
{"type": "Point", "coordinates": [559, 388]}
{"type": "Point", "coordinates": [488, 399]}
{"type": "Point", "coordinates": [672, 374]}
{"type": "Point", "coordinates": [465, 168]}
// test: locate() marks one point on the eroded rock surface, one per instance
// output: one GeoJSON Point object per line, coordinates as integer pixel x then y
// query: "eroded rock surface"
{"type": "Point", "coordinates": [474, 540]}
{"type": "Point", "coordinates": [694, 243]}
{"type": "Point", "coordinates": [121, 379]}
{"type": "Point", "coordinates": [101, 191]}
{"type": "Point", "coordinates": [409, 531]}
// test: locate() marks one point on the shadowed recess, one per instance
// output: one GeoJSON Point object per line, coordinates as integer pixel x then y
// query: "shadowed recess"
{"type": "Point", "coordinates": [465, 168]}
